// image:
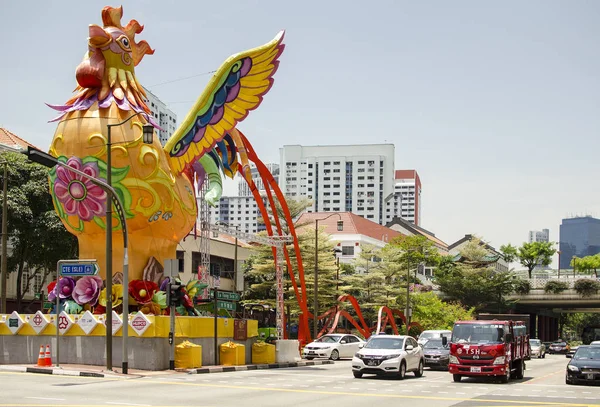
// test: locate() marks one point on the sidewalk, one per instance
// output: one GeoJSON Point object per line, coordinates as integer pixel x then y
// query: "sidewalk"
{"type": "Point", "coordinates": [100, 371]}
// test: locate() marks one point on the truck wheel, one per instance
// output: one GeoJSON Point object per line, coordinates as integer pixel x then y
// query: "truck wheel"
{"type": "Point", "coordinates": [520, 372]}
{"type": "Point", "coordinates": [456, 378]}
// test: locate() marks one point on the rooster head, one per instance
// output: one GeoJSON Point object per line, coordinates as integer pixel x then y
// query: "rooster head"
{"type": "Point", "coordinates": [113, 54]}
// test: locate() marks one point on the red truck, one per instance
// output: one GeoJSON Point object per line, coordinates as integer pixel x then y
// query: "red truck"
{"type": "Point", "coordinates": [489, 347]}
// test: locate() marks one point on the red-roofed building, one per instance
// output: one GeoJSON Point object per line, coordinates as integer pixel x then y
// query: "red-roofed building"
{"type": "Point", "coordinates": [356, 232]}
{"type": "Point", "coordinates": [12, 141]}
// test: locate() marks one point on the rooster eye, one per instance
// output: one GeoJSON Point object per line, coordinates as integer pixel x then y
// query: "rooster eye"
{"type": "Point", "coordinates": [125, 42]}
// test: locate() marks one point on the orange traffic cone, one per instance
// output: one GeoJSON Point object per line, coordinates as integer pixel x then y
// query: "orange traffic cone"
{"type": "Point", "coordinates": [48, 357]}
{"type": "Point", "coordinates": [41, 358]}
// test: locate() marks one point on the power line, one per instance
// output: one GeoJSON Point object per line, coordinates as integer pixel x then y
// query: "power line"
{"type": "Point", "coordinates": [181, 79]}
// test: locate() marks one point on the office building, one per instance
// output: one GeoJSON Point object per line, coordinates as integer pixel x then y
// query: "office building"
{"type": "Point", "coordinates": [165, 118]}
{"type": "Point", "coordinates": [539, 236]}
{"type": "Point", "coordinates": [350, 178]}
{"type": "Point", "coordinates": [579, 237]}
{"type": "Point", "coordinates": [407, 197]}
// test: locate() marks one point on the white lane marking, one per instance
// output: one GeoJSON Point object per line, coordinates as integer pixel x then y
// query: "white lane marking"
{"type": "Point", "coordinates": [120, 403]}
{"type": "Point", "coordinates": [320, 387]}
{"type": "Point", "coordinates": [44, 398]}
{"type": "Point", "coordinates": [354, 388]}
{"type": "Point", "coordinates": [443, 392]}
{"type": "Point", "coordinates": [338, 387]}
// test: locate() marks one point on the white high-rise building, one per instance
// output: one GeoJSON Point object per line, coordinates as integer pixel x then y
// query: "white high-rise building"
{"type": "Point", "coordinates": [407, 197]}
{"type": "Point", "coordinates": [239, 211]}
{"type": "Point", "coordinates": [537, 236]}
{"type": "Point", "coordinates": [244, 188]}
{"type": "Point", "coordinates": [352, 178]}
{"type": "Point", "coordinates": [165, 118]}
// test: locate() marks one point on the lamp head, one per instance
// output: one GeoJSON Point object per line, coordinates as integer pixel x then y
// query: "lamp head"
{"type": "Point", "coordinates": [148, 133]}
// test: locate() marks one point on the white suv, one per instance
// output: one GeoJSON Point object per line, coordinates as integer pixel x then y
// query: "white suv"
{"type": "Point", "coordinates": [389, 354]}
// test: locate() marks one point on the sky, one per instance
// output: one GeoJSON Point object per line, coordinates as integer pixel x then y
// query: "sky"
{"type": "Point", "coordinates": [495, 104]}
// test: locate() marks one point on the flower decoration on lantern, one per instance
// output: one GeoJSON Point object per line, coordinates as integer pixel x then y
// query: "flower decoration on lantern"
{"type": "Point", "coordinates": [151, 308]}
{"type": "Point", "coordinates": [117, 298]}
{"type": "Point", "coordinates": [142, 291]}
{"type": "Point", "coordinates": [87, 290]}
{"type": "Point", "coordinates": [64, 289]}
{"type": "Point", "coordinates": [80, 196]}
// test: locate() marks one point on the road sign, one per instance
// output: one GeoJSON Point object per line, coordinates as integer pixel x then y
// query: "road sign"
{"type": "Point", "coordinates": [78, 269]}
{"type": "Point", "coordinates": [229, 306]}
{"type": "Point", "coordinates": [226, 296]}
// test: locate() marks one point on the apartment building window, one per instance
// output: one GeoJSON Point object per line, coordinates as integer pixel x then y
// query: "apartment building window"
{"type": "Point", "coordinates": [326, 186]}
{"type": "Point", "coordinates": [361, 177]}
{"type": "Point", "coordinates": [336, 209]}
{"type": "Point", "coordinates": [310, 166]}
{"type": "Point", "coordinates": [336, 193]}
{"type": "Point", "coordinates": [336, 178]}
{"type": "Point", "coordinates": [371, 162]}
{"type": "Point", "coordinates": [361, 162]}
{"type": "Point", "coordinates": [326, 178]}
{"type": "Point", "coordinates": [327, 163]}
{"type": "Point", "coordinates": [336, 170]}
{"type": "Point", "coordinates": [326, 193]}
{"type": "Point", "coordinates": [371, 185]}
{"type": "Point", "coordinates": [336, 201]}
{"type": "Point", "coordinates": [361, 185]}
{"type": "Point", "coordinates": [361, 170]}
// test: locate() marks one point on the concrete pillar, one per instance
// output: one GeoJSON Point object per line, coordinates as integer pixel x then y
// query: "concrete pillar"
{"type": "Point", "coordinates": [540, 328]}
{"type": "Point", "coordinates": [532, 326]}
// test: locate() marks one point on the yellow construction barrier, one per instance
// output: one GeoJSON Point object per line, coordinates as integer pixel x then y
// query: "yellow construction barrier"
{"type": "Point", "coordinates": [188, 355]}
{"type": "Point", "coordinates": [232, 354]}
{"type": "Point", "coordinates": [263, 353]}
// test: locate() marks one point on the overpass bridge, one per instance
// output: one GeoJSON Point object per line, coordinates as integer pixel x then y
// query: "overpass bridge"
{"type": "Point", "coordinates": [545, 308]}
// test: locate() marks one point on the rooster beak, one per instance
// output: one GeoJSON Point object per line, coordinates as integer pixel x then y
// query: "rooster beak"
{"type": "Point", "coordinates": [98, 37]}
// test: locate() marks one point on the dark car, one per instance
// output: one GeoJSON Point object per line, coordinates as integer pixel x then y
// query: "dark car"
{"type": "Point", "coordinates": [584, 367]}
{"type": "Point", "coordinates": [558, 347]}
{"type": "Point", "coordinates": [436, 353]}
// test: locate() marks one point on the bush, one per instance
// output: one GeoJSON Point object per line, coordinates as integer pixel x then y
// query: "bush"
{"type": "Point", "coordinates": [587, 287]}
{"type": "Point", "coordinates": [555, 287]}
{"type": "Point", "coordinates": [522, 287]}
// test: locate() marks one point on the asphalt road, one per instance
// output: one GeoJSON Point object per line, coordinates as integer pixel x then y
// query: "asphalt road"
{"type": "Point", "coordinates": [315, 386]}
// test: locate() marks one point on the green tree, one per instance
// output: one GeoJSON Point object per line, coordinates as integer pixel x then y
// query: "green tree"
{"type": "Point", "coordinates": [37, 236]}
{"type": "Point", "coordinates": [433, 313]}
{"type": "Point", "coordinates": [510, 252]}
{"type": "Point", "coordinates": [536, 253]}
{"type": "Point", "coordinates": [587, 264]}
{"type": "Point", "coordinates": [472, 279]}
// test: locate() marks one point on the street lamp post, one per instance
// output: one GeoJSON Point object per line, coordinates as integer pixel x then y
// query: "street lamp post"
{"type": "Point", "coordinates": [559, 253]}
{"type": "Point", "coordinates": [147, 136]}
{"type": "Point", "coordinates": [340, 227]}
{"type": "Point", "coordinates": [4, 237]}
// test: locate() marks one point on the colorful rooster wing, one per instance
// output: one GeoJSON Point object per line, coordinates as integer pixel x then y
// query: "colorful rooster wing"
{"type": "Point", "coordinates": [155, 184]}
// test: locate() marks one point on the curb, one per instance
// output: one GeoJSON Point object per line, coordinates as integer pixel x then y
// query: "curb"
{"type": "Point", "coordinates": [56, 371]}
{"type": "Point", "coordinates": [281, 365]}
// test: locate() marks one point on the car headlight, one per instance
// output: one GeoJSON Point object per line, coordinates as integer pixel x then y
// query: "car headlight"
{"type": "Point", "coordinates": [572, 368]}
{"type": "Point", "coordinates": [453, 359]}
{"type": "Point", "coordinates": [325, 347]}
{"type": "Point", "coordinates": [394, 356]}
{"type": "Point", "coordinates": [444, 356]}
{"type": "Point", "coordinates": [500, 360]}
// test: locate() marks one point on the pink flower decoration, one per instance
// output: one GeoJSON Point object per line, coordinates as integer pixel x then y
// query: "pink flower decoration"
{"type": "Point", "coordinates": [78, 195]}
{"type": "Point", "coordinates": [87, 290]}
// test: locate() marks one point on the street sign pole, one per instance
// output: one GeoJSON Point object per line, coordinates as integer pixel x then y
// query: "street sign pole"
{"type": "Point", "coordinates": [171, 271]}
{"type": "Point", "coordinates": [216, 310]}
{"type": "Point", "coordinates": [71, 268]}
{"type": "Point", "coordinates": [58, 267]}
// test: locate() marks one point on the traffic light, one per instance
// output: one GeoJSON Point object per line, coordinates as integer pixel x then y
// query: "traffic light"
{"type": "Point", "coordinates": [174, 293]}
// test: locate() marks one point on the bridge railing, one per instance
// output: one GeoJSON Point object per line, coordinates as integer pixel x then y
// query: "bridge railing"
{"type": "Point", "coordinates": [539, 282]}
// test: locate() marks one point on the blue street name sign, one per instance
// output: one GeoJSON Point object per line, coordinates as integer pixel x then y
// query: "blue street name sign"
{"type": "Point", "coordinates": [78, 269]}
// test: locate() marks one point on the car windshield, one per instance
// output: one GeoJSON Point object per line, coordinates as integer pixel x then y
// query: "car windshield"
{"type": "Point", "coordinates": [434, 344]}
{"type": "Point", "coordinates": [385, 343]}
{"type": "Point", "coordinates": [427, 335]}
{"type": "Point", "coordinates": [559, 344]}
{"type": "Point", "coordinates": [587, 353]}
{"type": "Point", "coordinates": [478, 333]}
{"type": "Point", "coordinates": [535, 342]}
{"type": "Point", "coordinates": [329, 339]}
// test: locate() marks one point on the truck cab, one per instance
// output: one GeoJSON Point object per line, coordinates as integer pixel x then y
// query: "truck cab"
{"type": "Point", "coordinates": [488, 348]}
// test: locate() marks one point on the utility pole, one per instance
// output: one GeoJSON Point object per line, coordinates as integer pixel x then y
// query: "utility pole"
{"type": "Point", "coordinates": [4, 237]}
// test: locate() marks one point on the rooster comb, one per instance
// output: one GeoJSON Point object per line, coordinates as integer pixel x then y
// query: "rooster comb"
{"type": "Point", "coordinates": [111, 17]}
